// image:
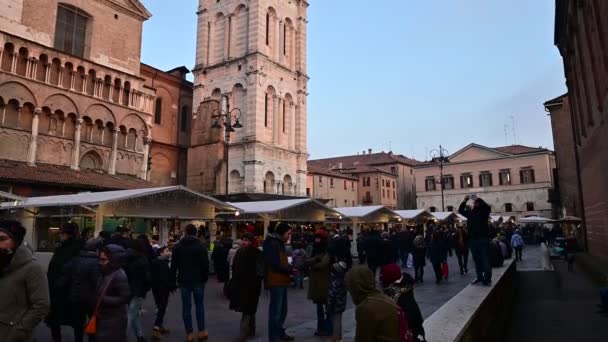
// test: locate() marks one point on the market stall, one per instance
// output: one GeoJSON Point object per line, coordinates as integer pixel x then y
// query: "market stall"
{"type": "Point", "coordinates": [377, 216]}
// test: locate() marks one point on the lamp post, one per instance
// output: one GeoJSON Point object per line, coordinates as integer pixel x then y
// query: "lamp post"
{"type": "Point", "coordinates": [226, 117]}
{"type": "Point", "coordinates": [440, 157]}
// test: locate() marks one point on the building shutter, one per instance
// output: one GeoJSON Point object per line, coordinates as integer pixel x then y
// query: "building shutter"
{"type": "Point", "coordinates": [491, 180]}
{"type": "Point", "coordinates": [500, 178]}
{"type": "Point", "coordinates": [426, 185]}
{"type": "Point", "coordinates": [480, 183]}
{"type": "Point", "coordinates": [462, 182]}
{"type": "Point", "coordinates": [521, 176]}
{"type": "Point", "coordinates": [532, 176]}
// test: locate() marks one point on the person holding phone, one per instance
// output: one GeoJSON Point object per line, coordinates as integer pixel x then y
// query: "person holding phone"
{"type": "Point", "coordinates": [479, 233]}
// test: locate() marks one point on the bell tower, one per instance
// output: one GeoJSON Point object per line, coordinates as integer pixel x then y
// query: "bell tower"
{"type": "Point", "coordinates": [251, 55]}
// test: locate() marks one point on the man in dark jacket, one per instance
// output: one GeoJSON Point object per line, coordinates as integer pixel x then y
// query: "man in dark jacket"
{"type": "Point", "coordinates": [277, 280]}
{"type": "Point", "coordinates": [479, 235]}
{"type": "Point", "coordinates": [25, 295]}
{"type": "Point", "coordinates": [190, 268]}
{"type": "Point", "coordinates": [138, 274]}
{"type": "Point", "coordinates": [60, 314]}
{"type": "Point", "coordinates": [373, 248]}
{"type": "Point", "coordinates": [161, 288]}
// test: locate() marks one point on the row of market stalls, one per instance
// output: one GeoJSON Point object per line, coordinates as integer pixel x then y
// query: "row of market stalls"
{"type": "Point", "coordinates": [166, 210]}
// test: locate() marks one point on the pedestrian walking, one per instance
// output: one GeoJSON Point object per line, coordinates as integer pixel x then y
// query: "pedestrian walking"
{"type": "Point", "coordinates": [479, 232]}
{"type": "Point", "coordinates": [161, 288]}
{"type": "Point", "coordinates": [68, 249]}
{"type": "Point", "coordinates": [462, 249]}
{"type": "Point", "coordinates": [388, 249]}
{"type": "Point", "coordinates": [277, 280]}
{"type": "Point", "coordinates": [221, 249]}
{"type": "Point", "coordinates": [190, 270]}
{"type": "Point", "coordinates": [299, 257]}
{"type": "Point", "coordinates": [419, 258]}
{"type": "Point", "coordinates": [112, 296]}
{"type": "Point", "coordinates": [400, 288]}
{"type": "Point", "coordinates": [25, 295]}
{"type": "Point", "coordinates": [517, 243]}
{"type": "Point", "coordinates": [318, 285]}
{"type": "Point", "coordinates": [137, 269]}
{"type": "Point", "coordinates": [340, 263]}
{"type": "Point", "coordinates": [376, 314]}
{"type": "Point", "coordinates": [373, 247]}
{"type": "Point", "coordinates": [361, 247]}
{"type": "Point", "coordinates": [438, 254]}
{"type": "Point", "coordinates": [246, 284]}
{"type": "Point", "coordinates": [82, 275]}
{"type": "Point", "coordinates": [236, 245]}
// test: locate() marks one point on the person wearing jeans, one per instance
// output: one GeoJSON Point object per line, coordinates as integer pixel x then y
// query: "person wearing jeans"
{"type": "Point", "coordinates": [277, 280]}
{"type": "Point", "coordinates": [518, 244]}
{"type": "Point", "coordinates": [190, 271]}
{"type": "Point", "coordinates": [479, 232]}
{"type": "Point", "coordinates": [138, 274]}
{"type": "Point", "coordinates": [134, 317]}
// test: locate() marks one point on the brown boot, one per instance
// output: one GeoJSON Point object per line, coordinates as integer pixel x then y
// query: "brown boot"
{"type": "Point", "coordinates": [203, 336]}
{"type": "Point", "coordinates": [191, 337]}
{"type": "Point", "coordinates": [156, 334]}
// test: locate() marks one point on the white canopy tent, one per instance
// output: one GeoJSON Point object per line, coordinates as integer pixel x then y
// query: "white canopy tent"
{"type": "Point", "coordinates": [160, 203]}
{"type": "Point", "coordinates": [367, 214]}
{"type": "Point", "coordinates": [292, 210]}
{"type": "Point", "coordinates": [534, 219]}
{"type": "Point", "coordinates": [414, 215]}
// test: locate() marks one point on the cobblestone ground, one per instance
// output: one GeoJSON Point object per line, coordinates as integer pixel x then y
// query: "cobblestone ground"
{"type": "Point", "coordinates": [223, 324]}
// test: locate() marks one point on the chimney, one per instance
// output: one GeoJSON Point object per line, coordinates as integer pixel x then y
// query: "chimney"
{"type": "Point", "coordinates": [369, 151]}
{"type": "Point", "coordinates": [340, 166]}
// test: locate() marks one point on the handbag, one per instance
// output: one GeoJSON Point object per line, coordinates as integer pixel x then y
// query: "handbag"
{"type": "Point", "coordinates": [91, 327]}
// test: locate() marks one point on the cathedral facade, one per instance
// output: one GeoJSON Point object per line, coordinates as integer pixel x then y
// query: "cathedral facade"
{"type": "Point", "coordinates": [250, 61]}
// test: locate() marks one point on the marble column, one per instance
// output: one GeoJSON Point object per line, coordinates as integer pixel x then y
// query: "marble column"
{"type": "Point", "coordinates": [76, 150]}
{"type": "Point", "coordinates": [114, 155]}
{"type": "Point", "coordinates": [277, 40]}
{"type": "Point", "coordinates": [144, 164]}
{"type": "Point", "coordinates": [31, 153]}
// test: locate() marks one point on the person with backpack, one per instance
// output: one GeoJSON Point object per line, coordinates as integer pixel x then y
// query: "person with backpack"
{"type": "Point", "coordinates": [190, 271]}
{"type": "Point", "coordinates": [246, 284]}
{"type": "Point", "coordinates": [377, 316]}
{"type": "Point", "coordinates": [160, 273]}
{"type": "Point", "coordinates": [419, 258]}
{"type": "Point", "coordinates": [400, 288]}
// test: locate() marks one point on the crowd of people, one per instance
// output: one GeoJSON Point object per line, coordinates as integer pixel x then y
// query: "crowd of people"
{"type": "Point", "coordinates": [98, 286]}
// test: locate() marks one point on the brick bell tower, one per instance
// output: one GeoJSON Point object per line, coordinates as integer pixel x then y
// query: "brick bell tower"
{"type": "Point", "coordinates": [251, 55]}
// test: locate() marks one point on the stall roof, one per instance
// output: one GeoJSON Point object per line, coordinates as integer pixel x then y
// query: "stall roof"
{"type": "Point", "coordinates": [412, 214]}
{"type": "Point", "coordinates": [363, 211]}
{"type": "Point", "coordinates": [9, 196]}
{"type": "Point", "coordinates": [270, 207]}
{"type": "Point", "coordinates": [96, 198]}
{"type": "Point", "coordinates": [534, 219]}
{"type": "Point", "coordinates": [444, 215]}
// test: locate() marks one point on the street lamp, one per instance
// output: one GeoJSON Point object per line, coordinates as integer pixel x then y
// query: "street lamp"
{"type": "Point", "coordinates": [440, 156]}
{"type": "Point", "coordinates": [230, 120]}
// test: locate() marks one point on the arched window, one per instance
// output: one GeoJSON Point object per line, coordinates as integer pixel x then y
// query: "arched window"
{"type": "Point", "coordinates": [122, 138]}
{"type": "Point", "coordinates": [43, 62]}
{"type": "Point", "coordinates": [71, 30]}
{"type": "Point", "coordinates": [183, 125]}
{"type": "Point", "coordinates": [55, 68]}
{"type": "Point", "coordinates": [266, 110]}
{"type": "Point", "coordinates": [91, 82]}
{"type": "Point", "coordinates": [269, 183]}
{"type": "Point", "coordinates": [107, 85]}
{"type": "Point", "coordinates": [432, 209]}
{"type": "Point", "coordinates": [91, 161]}
{"type": "Point", "coordinates": [11, 114]}
{"type": "Point", "coordinates": [268, 29]}
{"type": "Point", "coordinates": [79, 79]}
{"type": "Point", "coordinates": [126, 92]}
{"type": "Point", "coordinates": [22, 61]}
{"type": "Point", "coordinates": [508, 207]}
{"type": "Point", "coordinates": [220, 38]}
{"type": "Point", "coordinates": [69, 128]}
{"type": "Point", "coordinates": [235, 182]}
{"type": "Point", "coordinates": [530, 206]}
{"type": "Point", "coordinates": [7, 57]}
{"type": "Point", "coordinates": [67, 75]}
{"type": "Point", "coordinates": [131, 139]}
{"type": "Point", "coordinates": [158, 111]}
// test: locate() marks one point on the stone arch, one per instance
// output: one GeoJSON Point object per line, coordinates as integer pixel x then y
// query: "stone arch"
{"type": "Point", "coordinates": [107, 85]}
{"type": "Point", "coordinates": [287, 118]}
{"type": "Point", "coordinates": [15, 90]}
{"type": "Point", "coordinates": [269, 182]}
{"type": "Point", "coordinates": [288, 42]}
{"type": "Point", "coordinates": [10, 115]}
{"type": "Point", "coordinates": [98, 132]}
{"type": "Point", "coordinates": [287, 185]}
{"type": "Point", "coordinates": [22, 59]}
{"type": "Point", "coordinates": [102, 112]}
{"type": "Point", "coordinates": [269, 99]}
{"type": "Point", "coordinates": [55, 70]}
{"type": "Point", "coordinates": [69, 128]}
{"type": "Point", "coordinates": [7, 57]}
{"type": "Point", "coordinates": [26, 116]}
{"type": "Point", "coordinates": [238, 41]}
{"type": "Point", "coordinates": [117, 86]}
{"type": "Point", "coordinates": [131, 139]}
{"type": "Point", "coordinates": [136, 122]}
{"type": "Point", "coordinates": [68, 71]}
{"type": "Point", "coordinates": [216, 94]}
{"type": "Point", "coordinates": [126, 93]}
{"type": "Point", "coordinates": [60, 101]}
{"type": "Point", "coordinates": [219, 37]}
{"type": "Point", "coordinates": [236, 182]}
{"type": "Point", "coordinates": [91, 79]}
{"type": "Point", "coordinates": [270, 31]}
{"type": "Point", "coordinates": [91, 161]}
{"type": "Point", "coordinates": [122, 137]}
{"type": "Point", "coordinates": [79, 79]}
{"type": "Point", "coordinates": [86, 130]}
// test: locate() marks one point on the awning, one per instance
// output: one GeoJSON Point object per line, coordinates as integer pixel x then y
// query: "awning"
{"type": "Point", "coordinates": [534, 219]}
{"type": "Point", "coordinates": [7, 196]}
{"type": "Point", "coordinates": [303, 209]}
{"type": "Point", "coordinates": [412, 215]}
{"type": "Point", "coordinates": [447, 215]}
{"type": "Point", "coordinates": [570, 219]}
{"type": "Point", "coordinates": [170, 201]}
{"type": "Point", "coordinates": [370, 214]}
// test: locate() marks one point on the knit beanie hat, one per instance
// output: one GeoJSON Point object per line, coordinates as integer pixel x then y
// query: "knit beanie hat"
{"type": "Point", "coordinates": [390, 273]}
{"type": "Point", "coordinates": [13, 229]}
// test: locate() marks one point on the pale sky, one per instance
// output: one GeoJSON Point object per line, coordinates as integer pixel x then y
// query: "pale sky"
{"type": "Point", "coordinates": [405, 74]}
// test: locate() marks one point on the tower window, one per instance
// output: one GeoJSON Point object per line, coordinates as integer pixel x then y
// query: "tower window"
{"type": "Point", "coordinates": [284, 39]}
{"type": "Point", "coordinates": [71, 30]}
{"type": "Point", "coordinates": [184, 119]}
{"type": "Point", "coordinates": [266, 110]}
{"type": "Point", "coordinates": [158, 110]}
{"type": "Point", "coordinates": [267, 28]}
{"type": "Point", "coordinates": [284, 107]}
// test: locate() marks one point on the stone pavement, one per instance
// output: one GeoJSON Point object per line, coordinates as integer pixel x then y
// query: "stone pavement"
{"type": "Point", "coordinates": [556, 306]}
{"type": "Point", "coordinates": [223, 324]}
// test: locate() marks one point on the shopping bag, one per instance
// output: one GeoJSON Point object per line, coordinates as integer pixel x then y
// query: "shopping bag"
{"type": "Point", "coordinates": [91, 328]}
{"type": "Point", "coordinates": [410, 260]}
{"type": "Point", "coordinates": [444, 270]}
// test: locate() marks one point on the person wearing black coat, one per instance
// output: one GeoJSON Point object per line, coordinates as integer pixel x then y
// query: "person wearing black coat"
{"type": "Point", "coordinates": [479, 236]}
{"type": "Point", "coordinates": [190, 271]}
{"type": "Point", "coordinates": [112, 314]}
{"type": "Point", "coordinates": [220, 259]}
{"type": "Point", "coordinates": [246, 284]}
{"type": "Point", "coordinates": [373, 248]}
{"type": "Point", "coordinates": [82, 275]}
{"type": "Point", "coordinates": [61, 313]}
{"type": "Point", "coordinates": [388, 250]}
{"type": "Point", "coordinates": [138, 274]}
{"type": "Point", "coordinates": [161, 288]}
{"type": "Point", "coordinates": [438, 253]}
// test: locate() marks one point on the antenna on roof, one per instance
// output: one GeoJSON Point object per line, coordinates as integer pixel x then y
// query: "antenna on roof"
{"type": "Point", "coordinates": [514, 130]}
{"type": "Point", "coordinates": [506, 135]}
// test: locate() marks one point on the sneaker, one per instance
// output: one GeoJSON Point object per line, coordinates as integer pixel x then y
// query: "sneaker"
{"type": "Point", "coordinates": [477, 282]}
{"type": "Point", "coordinates": [156, 333]}
{"type": "Point", "coordinates": [203, 336]}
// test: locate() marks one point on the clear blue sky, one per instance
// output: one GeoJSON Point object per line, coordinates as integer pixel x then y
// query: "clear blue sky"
{"type": "Point", "coordinates": [412, 74]}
